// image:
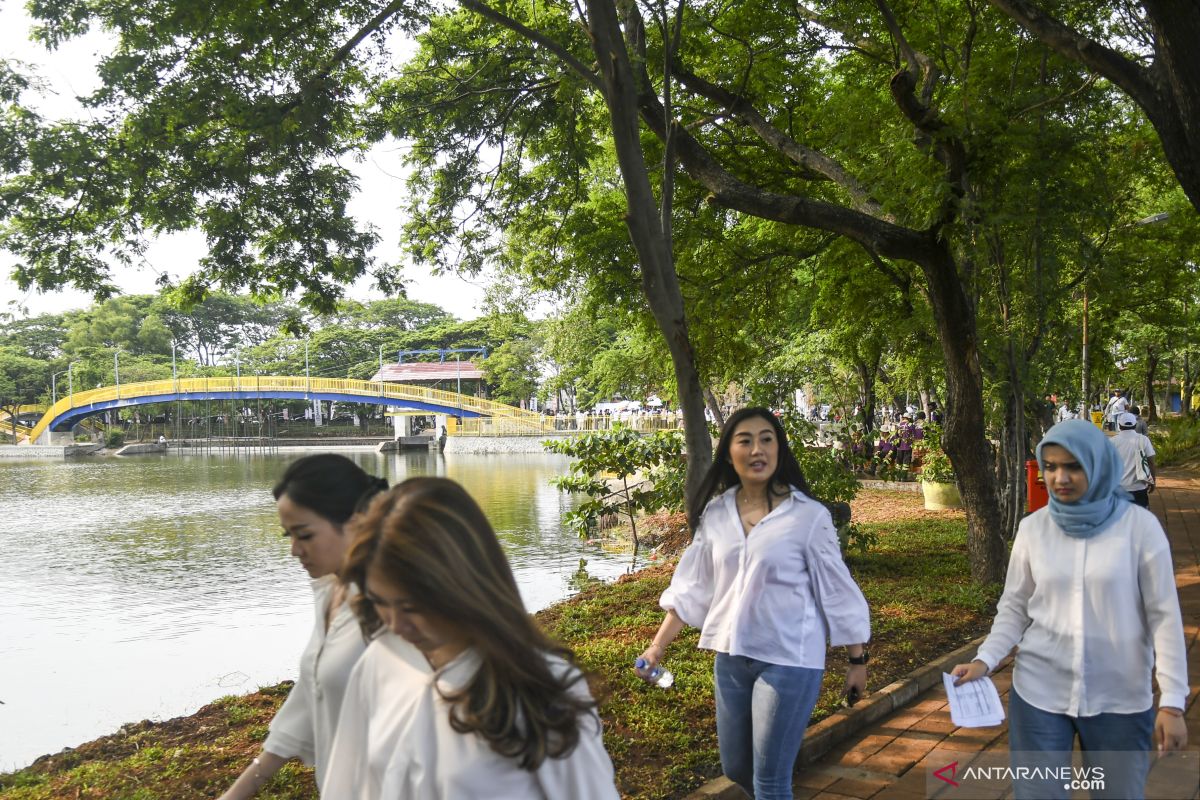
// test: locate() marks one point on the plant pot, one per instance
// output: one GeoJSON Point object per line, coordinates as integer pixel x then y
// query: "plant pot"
{"type": "Point", "coordinates": [940, 496]}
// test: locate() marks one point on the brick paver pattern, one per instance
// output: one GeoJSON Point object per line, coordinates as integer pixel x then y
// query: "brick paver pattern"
{"type": "Point", "coordinates": [889, 760]}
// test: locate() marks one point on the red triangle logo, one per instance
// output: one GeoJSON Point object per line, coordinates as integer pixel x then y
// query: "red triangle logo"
{"type": "Point", "coordinates": [952, 768]}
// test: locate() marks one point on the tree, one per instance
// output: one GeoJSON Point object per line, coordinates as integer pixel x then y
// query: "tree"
{"type": "Point", "coordinates": [1152, 58]}
{"type": "Point", "coordinates": [21, 382]}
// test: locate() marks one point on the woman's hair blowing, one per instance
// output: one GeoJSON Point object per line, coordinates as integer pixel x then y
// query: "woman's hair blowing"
{"type": "Point", "coordinates": [429, 537]}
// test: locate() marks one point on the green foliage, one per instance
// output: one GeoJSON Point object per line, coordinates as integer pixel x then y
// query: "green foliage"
{"type": "Point", "coordinates": [114, 439]}
{"type": "Point", "coordinates": [935, 464]}
{"type": "Point", "coordinates": [1176, 441]}
{"type": "Point", "coordinates": [622, 453]}
{"type": "Point", "coordinates": [828, 478]}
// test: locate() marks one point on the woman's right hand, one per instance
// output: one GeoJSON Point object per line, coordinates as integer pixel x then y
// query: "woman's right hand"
{"type": "Point", "coordinates": [651, 655]}
{"type": "Point", "coordinates": [965, 673]}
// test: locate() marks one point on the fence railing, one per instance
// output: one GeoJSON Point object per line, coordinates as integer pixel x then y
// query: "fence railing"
{"type": "Point", "coordinates": [564, 425]}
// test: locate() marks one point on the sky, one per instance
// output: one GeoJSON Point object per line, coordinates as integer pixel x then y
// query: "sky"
{"type": "Point", "coordinates": [70, 72]}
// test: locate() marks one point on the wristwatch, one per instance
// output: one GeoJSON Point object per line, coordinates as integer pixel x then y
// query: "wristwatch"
{"type": "Point", "coordinates": [863, 659]}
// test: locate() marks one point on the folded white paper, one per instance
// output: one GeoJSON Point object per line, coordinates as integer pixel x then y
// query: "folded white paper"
{"type": "Point", "coordinates": [975, 704]}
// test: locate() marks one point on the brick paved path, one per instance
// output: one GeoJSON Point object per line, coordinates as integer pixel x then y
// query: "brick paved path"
{"type": "Point", "coordinates": [889, 760]}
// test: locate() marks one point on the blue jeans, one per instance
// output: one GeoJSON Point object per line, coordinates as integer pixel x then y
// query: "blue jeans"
{"type": "Point", "coordinates": [762, 712]}
{"type": "Point", "coordinates": [1031, 729]}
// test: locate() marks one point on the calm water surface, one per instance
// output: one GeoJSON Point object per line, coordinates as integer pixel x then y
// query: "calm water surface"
{"type": "Point", "coordinates": [145, 587]}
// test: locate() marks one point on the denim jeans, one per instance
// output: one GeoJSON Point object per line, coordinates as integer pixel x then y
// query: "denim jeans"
{"type": "Point", "coordinates": [762, 712]}
{"type": "Point", "coordinates": [1031, 729]}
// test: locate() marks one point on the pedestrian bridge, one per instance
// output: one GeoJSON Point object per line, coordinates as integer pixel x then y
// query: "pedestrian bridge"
{"type": "Point", "coordinates": [78, 405]}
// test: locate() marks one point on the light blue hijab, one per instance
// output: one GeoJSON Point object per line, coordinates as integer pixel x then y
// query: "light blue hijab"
{"type": "Point", "coordinates": [1104, 501]}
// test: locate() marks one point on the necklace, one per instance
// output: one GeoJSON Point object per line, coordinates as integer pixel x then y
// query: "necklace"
{"type": "Point", "coordinates": [745, 505]}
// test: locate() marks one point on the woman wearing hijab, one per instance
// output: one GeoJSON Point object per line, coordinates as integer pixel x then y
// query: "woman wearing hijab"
{"type": "Point", "coordinates": [1090, 602]}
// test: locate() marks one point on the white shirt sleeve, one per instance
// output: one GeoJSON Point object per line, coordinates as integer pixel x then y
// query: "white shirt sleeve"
{"type": "Point", "coordinates": [837, 595]}
{"type": "Point", "coordinates": [291, 731]}
{"type": "Point", "coordinates": [1160, 601]}
{"type": "Point", "coordinates": [1012, 612]}
{"type": "Point", "coordinates": [690, 594]}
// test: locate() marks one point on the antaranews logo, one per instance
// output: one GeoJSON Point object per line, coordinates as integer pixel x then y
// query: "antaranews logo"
{"type": "Point", "coordinates": [940, 774]}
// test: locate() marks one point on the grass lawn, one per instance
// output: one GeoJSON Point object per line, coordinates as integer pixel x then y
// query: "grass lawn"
{"type": "Point", "coordinates": [663, 742]}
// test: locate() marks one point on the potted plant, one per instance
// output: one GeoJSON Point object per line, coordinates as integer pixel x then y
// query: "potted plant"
{"type": "Point", "coordinates": [937, 474]}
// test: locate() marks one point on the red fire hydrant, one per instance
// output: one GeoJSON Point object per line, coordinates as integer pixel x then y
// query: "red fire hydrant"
{"type": "Point", "coordinates": [1035, 487]}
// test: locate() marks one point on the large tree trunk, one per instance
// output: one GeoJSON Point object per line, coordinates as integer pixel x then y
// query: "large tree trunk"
{"type": "Point", "coordinates": [1189, 386]}
{"type": "Point", "coordinates": [866, 415]}
{"type": "Point", "coordinates": [965, 438]}
{"type": "Point", "coordinates": [1151, 369]}
{"type": "Point", "coordinates": [660, 283]}
{"type": "Point", "coordinates": [1010, 460]}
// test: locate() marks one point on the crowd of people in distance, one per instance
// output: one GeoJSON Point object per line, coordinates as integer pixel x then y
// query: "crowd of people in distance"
{"type": "Point", "coordinates": [425, 678]}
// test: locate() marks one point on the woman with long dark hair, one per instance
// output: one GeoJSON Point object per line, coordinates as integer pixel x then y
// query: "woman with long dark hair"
{"type": "Point", "coordinates": [765, 582]}
{"type": "Point", "coordinates": [315, 499]}
{"type": "Point", "coordinates": [459, 695]}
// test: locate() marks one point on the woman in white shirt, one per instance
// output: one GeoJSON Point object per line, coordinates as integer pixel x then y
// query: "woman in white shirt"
{"type": "Point", "coordinates": [315, 497]}
{"type": "Point", "coordinates": [1090, 602]}
{"type": "Point", "coordinates": [459, 696]}
{"type": "Point", "coordinates": [765, 582]}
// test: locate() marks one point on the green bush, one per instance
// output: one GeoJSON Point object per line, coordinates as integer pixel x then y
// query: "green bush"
{"type": "Point", "coordinates": [622, 452]}
{"type": "Point", "coordinates": [1176, 440]}
{"type": "Point", "coordinates": [114, 439]}
{"type": "Point", "coordinates": [935, 464]}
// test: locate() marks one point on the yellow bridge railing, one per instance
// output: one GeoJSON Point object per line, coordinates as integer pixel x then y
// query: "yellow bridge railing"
{"type": "Point", "coordinates": [199, 388]}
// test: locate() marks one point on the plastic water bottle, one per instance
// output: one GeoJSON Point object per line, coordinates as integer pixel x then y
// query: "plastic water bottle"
{"type": "Point", "coordinates": [662, 678]}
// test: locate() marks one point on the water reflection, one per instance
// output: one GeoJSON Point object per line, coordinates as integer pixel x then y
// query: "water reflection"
{"type": "Point", "coordinates": [145, 587]}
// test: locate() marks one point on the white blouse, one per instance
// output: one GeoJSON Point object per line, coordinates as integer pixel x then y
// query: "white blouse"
{"type": "Point", "coordinates": [1090, 617]}
{"type": "Point", "coordinates": [305, 724]}
{"type": "Point", "coordinates": [774, 594]}
{"type": "Point", "coordinates": [394, 740]}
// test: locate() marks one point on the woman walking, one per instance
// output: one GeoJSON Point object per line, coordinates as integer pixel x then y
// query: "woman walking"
{"type": "Point", "coordinates": [315, 498]}
{"type": "Point", "coordinates": [459, 696]}
{"type": "Point", "coordinates": [1091, 604]}
{"type": "Point", "coordinates": [765, 582]}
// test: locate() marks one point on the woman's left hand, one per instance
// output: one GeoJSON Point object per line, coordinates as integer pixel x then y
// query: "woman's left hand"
{"type": "Point", "coordinates": [856, 683]}
{"type": "Point", "coordinates": [1170, 732]}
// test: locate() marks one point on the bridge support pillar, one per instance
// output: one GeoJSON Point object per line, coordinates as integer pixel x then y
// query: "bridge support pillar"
{"type": "Point", "coordinates": [403, 425]}
{"type": "Point", "coordinates": [50, 437]}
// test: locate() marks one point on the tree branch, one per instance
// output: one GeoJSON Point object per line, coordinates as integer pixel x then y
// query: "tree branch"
{"type": "Point", "coordinates": [1135, 80]}
{"type": "Point", "coordinates": [739, 106]}
{"type": "Point", "coordinates": [486, 11]}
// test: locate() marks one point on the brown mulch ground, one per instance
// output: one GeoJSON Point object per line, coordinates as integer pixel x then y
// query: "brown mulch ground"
{"type": "Point", "coordinates": [876, 505]}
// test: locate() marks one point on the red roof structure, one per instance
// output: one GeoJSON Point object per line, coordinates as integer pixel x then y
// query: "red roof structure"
{"type": "Point", "coordinates": [429, 372]}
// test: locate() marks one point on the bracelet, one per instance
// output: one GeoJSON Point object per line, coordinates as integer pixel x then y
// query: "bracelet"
{"type": "Point", "coordinates": [1174, 712]}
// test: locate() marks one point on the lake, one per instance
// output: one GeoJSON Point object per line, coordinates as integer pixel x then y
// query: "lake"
{"type": "Point", "coordinates": [147, 586]}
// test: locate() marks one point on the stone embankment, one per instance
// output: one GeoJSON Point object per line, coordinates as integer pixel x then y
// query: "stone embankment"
{"type": "Point", "coordinates": [47, 451]}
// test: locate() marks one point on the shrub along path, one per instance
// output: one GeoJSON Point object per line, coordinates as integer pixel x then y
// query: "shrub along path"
{"type": "Point", "coordinates": [662, 742]}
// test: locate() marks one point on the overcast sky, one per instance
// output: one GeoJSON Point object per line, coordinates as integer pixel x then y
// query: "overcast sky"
{"type": "Point", "coordinates": [70, 72]}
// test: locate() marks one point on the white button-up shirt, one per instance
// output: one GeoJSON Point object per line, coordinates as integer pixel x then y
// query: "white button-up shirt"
{"type": "Point", "coordinates": [1090, 617]}
{"type": "Point", "coordinates": [395, 740]}
{"type": "Point", "coordinates": [774, 594]}
{"type": "Point", "coordinates": [305, 724]}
